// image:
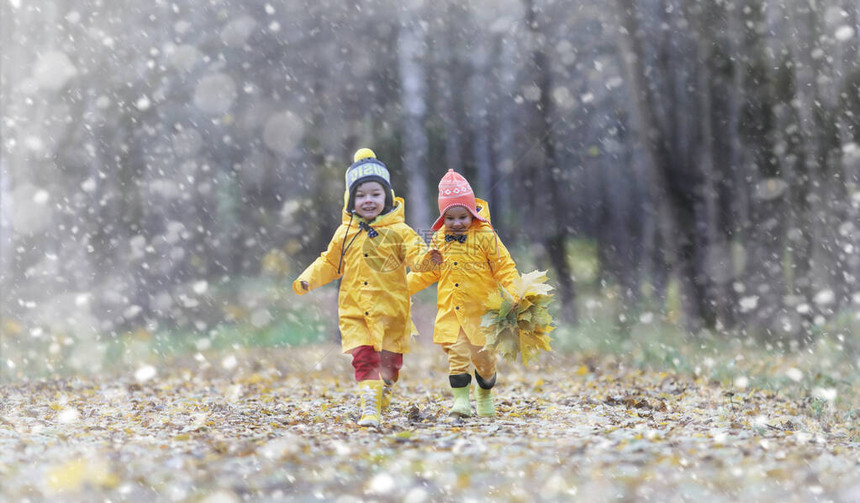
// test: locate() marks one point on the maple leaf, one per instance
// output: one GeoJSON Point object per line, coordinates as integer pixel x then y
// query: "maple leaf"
{"type": "Point", "coordinates": [488, 319]}
{"type": "Point", "coordinates": [506, 305]}
{"type": "Point", "coordinates": [508, 345]}
{"type": "Point", "coordinates": [532, 283]}
{"type": "Point", "coordinates": [519, 326]}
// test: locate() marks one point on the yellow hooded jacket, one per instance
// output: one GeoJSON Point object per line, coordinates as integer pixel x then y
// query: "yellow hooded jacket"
{"type": "Point", "coordinates": [472, 271]}
{"type": "Point", "coordinates": [373, 299]}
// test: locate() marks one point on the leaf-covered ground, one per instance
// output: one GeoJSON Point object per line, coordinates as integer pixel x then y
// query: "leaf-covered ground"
{"type": "Point", "coordinates": [280, 425]}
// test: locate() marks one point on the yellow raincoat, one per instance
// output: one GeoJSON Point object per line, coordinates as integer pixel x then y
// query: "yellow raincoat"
{"type": "Point", "coordinates": [472, 271]}
{"type": "Point", "coordinates": [373, 301]}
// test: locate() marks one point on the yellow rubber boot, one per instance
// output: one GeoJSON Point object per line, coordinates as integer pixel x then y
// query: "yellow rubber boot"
{"type": "Point", "coordinates": [462, 406]}
{"type": "Point", "coordinates": [370, 392]}
{"type": "Point", "coordinates": [387, 391]}
{"type": "Point", "coordinates": [484, 402]}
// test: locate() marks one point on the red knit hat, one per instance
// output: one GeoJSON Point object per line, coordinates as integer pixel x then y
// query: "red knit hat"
{"type": "Point", "coordinates": [454, 190]}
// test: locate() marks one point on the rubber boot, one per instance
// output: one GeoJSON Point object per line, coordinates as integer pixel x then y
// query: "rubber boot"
{"type": "Point", "coordinates": [462, 406]}
{"type": "Point", "coordinates": [387, 391]}
{"type": "Point", "coordinates": [460, 386]}
{"type": "Point", "coordinates": [484, 396]}
{"type": "Point", "coordinates": [484, 402]}
{"type": "Point", "coordinates": [370, 392]}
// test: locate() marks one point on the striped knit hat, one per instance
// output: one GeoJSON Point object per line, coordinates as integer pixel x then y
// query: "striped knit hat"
{"type": "Point", "coordinates": [367, 168]}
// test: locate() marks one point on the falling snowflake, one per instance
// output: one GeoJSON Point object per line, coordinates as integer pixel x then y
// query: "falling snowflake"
{"type": "Point", "coordinates": [828, 394]}
{"type": "Point", "coordinates": [145, 373]}
{"type": "Point", "coordinates": [824, 297]}
{"type": "Point", "coordinates": [68, 416]}
{"type": "Point", "coordinates": [844, 33]}
{"type": "Point", "coordinates": [794, 374]}
{"type": "Point", "coordinates": [143, 103]}
{"type": "Point", "coordinates": [748, 303]}
{"type": "Point", "coordinates": [229, 362]}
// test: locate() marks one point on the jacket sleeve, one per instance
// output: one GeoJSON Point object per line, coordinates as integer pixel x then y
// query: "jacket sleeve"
{"type": "Point", "coordinates": [502, 264]}
{"type": "Point", "coordinates": [419, 280]}
{"type": "Point", "coordinates": [415, 251]}
{"type": "Point", "coordinates": [324, 269]}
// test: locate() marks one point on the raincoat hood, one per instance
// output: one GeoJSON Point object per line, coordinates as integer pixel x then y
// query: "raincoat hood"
{"type": "Point", "coordinates": [483, 210]}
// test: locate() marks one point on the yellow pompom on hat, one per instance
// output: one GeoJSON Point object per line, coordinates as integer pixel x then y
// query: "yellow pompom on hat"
{"type": "Point", "coordinates": [367, 168]}
{"type": "Point", "coordinates": [363, 153]}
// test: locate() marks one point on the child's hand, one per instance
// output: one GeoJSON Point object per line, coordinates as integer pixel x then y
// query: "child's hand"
{"type": "Point", "coordinates": [436, 256]}
{"type": "Point", "coordinates": [305, 285]}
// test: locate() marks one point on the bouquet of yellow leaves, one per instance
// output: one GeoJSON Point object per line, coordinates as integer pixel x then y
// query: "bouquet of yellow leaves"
{"type": "Point", "coordinates": [520, 324]}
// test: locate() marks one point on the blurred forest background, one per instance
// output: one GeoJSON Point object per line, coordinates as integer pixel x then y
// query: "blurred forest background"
{"type": "Point", "coordinates": [168, 168]}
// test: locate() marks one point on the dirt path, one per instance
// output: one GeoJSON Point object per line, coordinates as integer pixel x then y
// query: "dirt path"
{"type": "Point", "coordinates": [280, 425]}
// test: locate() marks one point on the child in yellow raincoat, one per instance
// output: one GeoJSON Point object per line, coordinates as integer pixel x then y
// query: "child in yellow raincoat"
{"type": "Point", "coordinates": [475, 264]}
{"type": "Point", "coordinates": [370, 251]}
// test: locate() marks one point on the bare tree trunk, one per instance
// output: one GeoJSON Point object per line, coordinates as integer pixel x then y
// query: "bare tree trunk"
{"type": "Point", "coordinates": [647, 126]}
{"type": "Point", "coordinates": [847, 223]}
{"type": "Point", "coordinates": [728, 156]}
{"type": "Point", "coordinates": [676, 182]}
{"type": "Point", "coordinates": [764, 286]}
{"type": "Point", "coordinates": [450, 81]}
{"type": "Point", "coordinates": [500, 193]}
{"type": "Point", "coordinates": [807, 172]}
{"type": "Point", "coordinates": [545, 173]}
{"type": "Point", "coordinates": [479, 115]}
{"type": "Point", "coordinates": [26, 164]}
{"type": "Point", "coordinates": [615, 234]}
{"type": "Point", "coordinates": [533, 171]}
{"type": "Point", "coordinates": [11, 157]}
{"type": "Point", "coordinates": [413, 100]}
{"type": "Point", "coordinates": [829, 296]}
{"type": "Point", "coordinates": [811, 239]}
{"type": "Point", "coordinates": [7, 207]}
{"type": "Point", "coordinates": [849, 104]}
{"type": "Point", "coordinates": [792, 165]}
{"type": "Point", "coordinates": [719, 128]}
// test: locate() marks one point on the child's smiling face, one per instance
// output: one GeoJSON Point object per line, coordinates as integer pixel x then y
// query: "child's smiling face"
{"type": "Point", "coordinates": [457, 219]}
{"type": "Point", "coordinates": [369, 200]}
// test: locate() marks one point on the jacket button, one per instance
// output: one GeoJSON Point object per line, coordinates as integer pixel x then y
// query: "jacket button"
{"type": "Point", "coordinates": [457, 308]}
{"type": "Point", "coordinates": [454, 262]}
{"type": "Point", "coordinates": [365, 254]}
{"type": "Point", "coordinates": [365, 282]}
{"type": "Point", "coordinates": [368, 314]}
{"type": "Point", "coordinates": [456, 284]}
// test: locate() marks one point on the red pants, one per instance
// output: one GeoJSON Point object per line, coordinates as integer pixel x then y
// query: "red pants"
{"type": "Point", "coordinates": [374, 365]}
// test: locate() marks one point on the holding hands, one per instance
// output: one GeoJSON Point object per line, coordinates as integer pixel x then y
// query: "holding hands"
{"type": "Point", "coordinates": [436, 256]}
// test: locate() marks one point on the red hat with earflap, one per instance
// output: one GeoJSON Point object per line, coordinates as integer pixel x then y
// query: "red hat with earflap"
{"type": "Point", "coordinates": [454, 190]}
